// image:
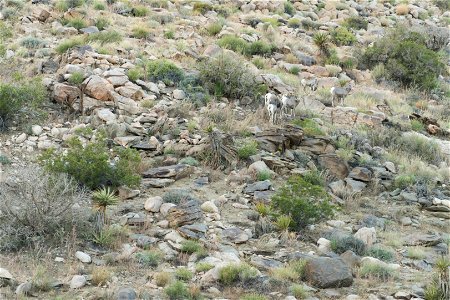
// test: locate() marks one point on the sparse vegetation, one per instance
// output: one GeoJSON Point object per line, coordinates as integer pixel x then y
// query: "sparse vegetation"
{"type": "Point", "coordinates": [342, 37]}
{"type": "Point", "coordinates": [342, 244]}
{"type": "Point", "coordinates": [376, 270]}
{"type": "Point", "coordinates": [183, 274]}
{"type": "Point", "coordinates": [381, 253]}
{"type": "Point", "coordinates": [164, 70]}
{"type": "Point", "coordinates": [247, 149]}
{"type": "Point", "coordinates": [149, 258]}
{"type": "Point", "coordinates": [176, 196]}
{"type": "Point", "coordinates": [236, 272]}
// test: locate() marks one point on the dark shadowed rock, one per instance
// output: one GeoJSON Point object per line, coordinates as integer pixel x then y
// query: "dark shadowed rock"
{"type": "Point", "coordinates": [126, 294]}
{"type": "Point", "coordinates": [324, 272]}
{"type": "Point", "coordinates": [258, 186]}
{"type": "Point", "coordinates": [194, 231]}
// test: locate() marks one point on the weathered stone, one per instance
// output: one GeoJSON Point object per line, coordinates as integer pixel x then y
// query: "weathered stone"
{"type": "Point", "coordinates": [98, 88]}
{"type": "Point", "coordinates": [419, 239]}
{"type": "Point", "coordinates": [337, 166]}
{"type": "Point", "coordinates": [185, 213]}
{"type": "Point", "coordinates": [279, 138]}
{"type": "Point", "coordinates": [354, 186]}
{"type": "Point", "coordinates": [360, 173]}
{"type": "Point", "coordinates": [235, 235]}
{"type": "Point", "coordinates": [157, 182]}
{"type": "Point", "coordinates": [67, 94]}
{"type": "Point", "coordinates": [153, 204]}
{"type": "Point", "coordinates": [194, 231]}
{"type": "Point", "coordinates": [179, 94]}
{"type": "Point", "coordinates": [83, 257]}
{"type": "Point", "coordinates": [265, 263]}
{"type": "Point", "coordinates": [367, 235]}
{"type": "Point", "coordinates": [106, 115]}
{"type": "Point", "coordinates": [4, 274]}
{"type": "Point", "coordinates": [317, 145]}
{"type": "Point", "coordinates": [126, 294]}
{"type": "Point", "coordinates": [174, 171]}
{"type": "Point", "coordinates": [325, 272]}
{"type": "Point", "coordinates": [209, 206]}
{"type": "Point", "coordinates": [89, 30]}
{"type": "Point", "coordinates": [78, 281]}
{"type": "Point", "coordinates": [258, 186]}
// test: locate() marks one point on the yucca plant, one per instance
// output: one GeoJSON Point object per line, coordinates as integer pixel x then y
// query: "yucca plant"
{"type": "Point", "coordinates": [321, 40]}
{"type": "Point", "coordinates": [103, 198]}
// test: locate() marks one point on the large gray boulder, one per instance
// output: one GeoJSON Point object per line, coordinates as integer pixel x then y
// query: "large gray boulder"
{"type": "Point", "coordinates": [325, 272]}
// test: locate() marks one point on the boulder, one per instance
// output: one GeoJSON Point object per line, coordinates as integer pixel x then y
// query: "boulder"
{"type": "Point", "coordinates": [210, 207]}
{"type": "Point", "coordinates": [153, 204]}
{"type": "Point", "coordinates": [235, 235]}
{"type": "Point", "coordinates": [258, 186]}
{"type": "Point", "coordinates": [83, 257]}
{"type": "Point", "coordinates": [98, 88]}
{"type": "Point", "coordinates": [63, 93]}
{"type": "Point", "coordinates": [78, 281]}
{"type": "Point", "coordinates": [185, 213]}
{"type": "Point", "coordinates": [360, 173]}
{"type": "Point", "coordinates": [325, 272]}
{"type": "Point", "coordinates": [367, 235]}
{"type": "Point", "coordinates": [336, 166]}
{"type": "Point", "coordinates": [126, 294]}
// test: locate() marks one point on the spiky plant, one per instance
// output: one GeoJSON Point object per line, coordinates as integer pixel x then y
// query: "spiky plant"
{"type": "Point", "coordinates": [322, 41]}
{"type": "Point", "coordinates": [103, 198]}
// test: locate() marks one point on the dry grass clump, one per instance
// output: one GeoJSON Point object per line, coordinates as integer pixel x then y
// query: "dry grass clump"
{"type": "Point", "coordinates": [402, 9]}
{"type": "Point", "coordinates": [101, 275]}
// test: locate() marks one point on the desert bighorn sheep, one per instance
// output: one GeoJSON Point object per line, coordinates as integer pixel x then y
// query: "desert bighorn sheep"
{"type": "Point", "coordinates": [339, 93]}
{"type": "Point", "coordinates": [273, 106]}
{"type": "Point", "coordinates": [312, 83]}
{"type": "Point", "coordinates": [288, 102]}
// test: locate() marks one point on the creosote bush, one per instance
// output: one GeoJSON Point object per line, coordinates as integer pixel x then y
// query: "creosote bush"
{"type": "Point", "coordinates": [356, 23]}
{"type": "Point", "coordinates": [164, 70]}
{"type": "Point", "coordinates": [236, 272]}
{"type": "Point", "coordinates": [247, 149]}
{"type": "Point", "coordinates": [341, 36]}
{"type": "Point", "coordinates": [342, 244]}
{"type": "Point", "coordinates": [38, 208]}
{"type": "Point", "coordinates": [227, 76]}
{"type": "Point", "coordinates": [94, 165]}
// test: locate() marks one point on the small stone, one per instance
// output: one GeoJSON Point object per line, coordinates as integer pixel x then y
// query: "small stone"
{"type": "Point", "coordinates": [153, 204]}
{"type": "Point", "coordinates": [406, 221]}
{"type": "Point", "coordinates": [59, 259]}
{"type": "Point", "coordinates": [209, 207]}
{"type": "Point", "coordinates": [78, 281]}
{"type": "Point", "coordinates": [126, 294]}
{"type": "Point", "coordinates": [179, 94]}
{"type": "Point", "coordinates": [21, 138]}
{"type": "Point", "coordinates": [36, 130]}
{"type": "Point", "coordinates": [83, 257]}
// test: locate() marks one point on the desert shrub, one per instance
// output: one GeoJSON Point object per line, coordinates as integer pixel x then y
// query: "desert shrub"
{"type": "Point", "coordinates": [162, 278]}
{"type": "Point", "coordinates": [8, 13]}
{"type": "Point", "coordinates": [105, 37]}
{"type": "Point", "coordinates": [304, 202]}
{"type": "Point", "coordinates": [416, 253]}
{"type": "Point", "coordinates": [299, 291]}
{"type": "Point", "coordinates": [342, 244]}
{"type": "Point", "coordinates": [356, 23]}
{"type": "Point", "coordinates": [214, 28]}
{"type": "Point", "coordinates": [294, 23]}
{"type": "Point", "coordinates": [264, 175]}
{"type": "Point", "coordinates": [404, 180]}
{"type": "Point", "coordinates": [236, 272]}
{"type": "Point", "coordinates": [94, 165]}
{"type": "Point", "coordinates": [183, 274]}
{"type": "Point", "coordinates": [438, 288]}
{"type": "Point", "coordinates": [381, 253]}
{"type": "Point", "coordinates": [176, 196]}
{"type": "Point", "coordinates": [140, 32]}
{"type": "Point", "coordinates": [314, 177]}
{"type": "Point", "coordinates": [418, 126]}
{"type": "Point", "coordinates": [409, 57]}
{"type": "Point", "coordinates": [101, 275]}
{"type": "Point", "coordinates": [402, 9]}
{"type": "Point", "coordinates": [170, 34]}
{"type": "Point", "coordinates": [38, 208]}
{"type": "Point", "coordinates": [31, 42]}
{"type": "Point", "coordinates": [294, 70]}
{"type": "Point", "coordinates": [149, 258]}
{"type": "Point", "coordinates": [203, 8]}
{"type": "Point", "coordinates": [102, 23]}
{"type": "Point", "coordinates": [309, 24]}
{"type": "Point", "coordinates": [189, 161]}
{"type": "Point", "coordinates": [4, 160]}
{"type": "Point", "coordinates": [140, 11]}
{"type": "Point", "coordinates": [422, 147]}
{"type": "Point", "coordinates": [99, 6]}
{"type": "Point", "coordinates": [190, 247]}
{"type": "Point", "coordinates": [289, 8]}
{"type": "Point", "coordinates": [376, 270]}
{"type": "Point", "coordinates": [342, 36]}
{"type": "Point", "coordinates": [20, 100]}
{"type": "Point", "coordinates": [42, 280]}
{"type": "Point", "coordinates": [69, 44]}
{"type": "Point", "coordinates": [194, 91]}
{"type": "Point", "coordinates": [228, 76]}
{"type": "Point", "coordinates": [177, 290]}
{"type": "Point", "coordinates": [234, 43]}
{"type": "Point", "coordinates": [135, 74]}
{"type": "Point", "coordinates": [164, 70]}
{"type": "Point", "coordinates": [76, 78]}
{"type": "Point", "coordinates": [247, 149]}
{"type": "Point", "coordinates": [110, 237]}
{"type": "Point", "coordinates": [322, 41]}
{"type": "Point", "coordinates": [260, 48]}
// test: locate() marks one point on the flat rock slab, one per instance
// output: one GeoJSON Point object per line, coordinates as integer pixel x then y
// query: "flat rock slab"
{"type": "Point", "coordinates": [423, 240]}
{"type": "Point", "coordinates": [265, 263]}
{"type": "Point", "coordinates": [325, 272]}
{"type": "Point", "coordinates": [185, 214]}
{"type": "Point", "coordinates": [258, 186]}
{"type": "Point", "coordinates": [175, 171]}
{"type": "Point", "coordinates": [235, 235]}
{"type": "Point", "coordinates": [157, 182]}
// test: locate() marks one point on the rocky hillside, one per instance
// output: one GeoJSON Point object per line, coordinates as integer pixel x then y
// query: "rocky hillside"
{"type": "Point", "coordinates": [138, 159]}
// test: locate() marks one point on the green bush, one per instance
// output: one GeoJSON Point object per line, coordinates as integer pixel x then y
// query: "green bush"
{"type": "Point", "coordinates": [239, 45]}
{"type": "Point", "coordinates": [92, 165]}
{"type": "Point", "coordinates": [309, 127]}
{"type": "Point", "coordinates": [314, 177]}
{"type": "Point", "coordinates": [233, 273]}
{"type": "Point", "coordinates": [260, 48]}
{"type": "Point", "coordinates": [149, 258]}
{"type": "Point", "coordinates": [191, 247]}
{"type": "Point", "coordinates": [227, 76]}
{"type": "Point", "coordinates": [341, 244]}
{"type": "Point", "coordinates": [376, 270]}
{"type": "Point", "coordinates": [442, 4]}
{"type": "Point", "coordinates": [135, 74]}
{"type": "Point", "coordinates": [195, 92]}
{"type": "Point", "coordinates": [203, 267]}
{"type": "Point", "coordinates": [99, 6]}
{"type": "Point", "coordinates": [289, 8]}
{"type": "Point", "coordinates": [102, 23]}
{"type": "Point", "coordinates": [164, 70]}
{"type": "Point", "coordinates": [31, 42]}
{"type": "Point", "coordinates": [214, 28]}
{"type": "Point", "coordinates": [170, 35]}
{"type": "Point", "coordinates": [247, 149]}
{"type": "Point", "coordinates": [183, 274]}
{"type": "Point", "coordinates": [409, 57]}
{"type": "Point", "coordinates": [77, 23]}
{"type": "Point", "coordinates": [356, 23]}
{"type": "Point", "coordinates": [177, 291]}
{"type": "Point", "coordinates": [304, 202]}
{"type": "Point", "coordinates": [76, 78]}
{"type": "Point", "coordinates": [140, 32]}
{"type": "Point", "coordinates": [342, 37]}
{"type": "Point", "coordinates": [189, 161]}
{"type": "Point", "coordinates": [309, 24]}
{"type": "Point", "coordinates": [380, 253]}
{"type": "Point", "coordinates": [294, 23]}
{"type": "Point", "coordinates": [299, 291]}
{"type": "Point", "coordinates": [140, 11]}
{"type": "Point", "coordinates": [19, 100]}
{"type": "Point", "coordinates": [263, 175]}
{"type": "Point", "coordinates": [422, 147]}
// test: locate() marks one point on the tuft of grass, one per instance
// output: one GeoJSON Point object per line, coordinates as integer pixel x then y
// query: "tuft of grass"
{"type": "Point", "coordinates": [135, 74]}
{"type": "Point", "coordinates": [31, 42]}
{"type": "Point", "coordinates": [236, 272]}
{"type": "Point", "coordinates": [416, 253]}
{"type": "Point", "coordinates": [99, 6]}
{"type": "Point", "coordinates": [214, 28]}
{"type": "Point", "coordinates": [402, 9]}
{"type": "Point", "coordinates": [162, 278]}
{"type": "Point", "coordinates": [100, 276]}
{"type": "Point", "coordinates": [41, 280]}
{"type": "Point", "coordinates": [264, 175]}
{"type": "Point", "coordinates": [418, 126]}
{"type": "Point", "coordinates": [283, 222]}
{"type": "Point", "coordinates": [342, 244]}
{"type": "Point", "coordinates": [76, 78]}
{"type": "Point", "coordinates": [203, 267]}
{"type": "Point", "coordinates": [263, 209]}
{"type": "Point", "coordinates": [77, 23]}
{"type": "Point", "coordinates": [190, 247]}
{"type": "Point", "coordinates": [105, 37]}
{"type": "Point", "coordinates": [68, 44]}
{"type": "Point", "coordinates": [183, 274]}
{"type": "Point", "coordinates": [309, 127]}
{"type": "Point", "coordinates": [140, 32]}
{"type": "Point", "coordinates": [177, 291]}
{"type": "Point", "coordinates": [176, 196]}
{"type": "Point", "coordinates": [140, 11]}
{"type": "Point", "coordinates": [299, 291]}
{"type": "Point", "coordinates": [381, 253]}
{"type": "Point", "coordinates": [189, 161]}
{"type": "Point", "coordinates": [247, 149]}
{"type": "Point", "coordinates": [170, 34]}
{"type": "Point", "coordinates": [102, 23]}
{"type": "Point", "coordinates": [374, 270]}
{"type": "Point", "coordinates": [149, 258]}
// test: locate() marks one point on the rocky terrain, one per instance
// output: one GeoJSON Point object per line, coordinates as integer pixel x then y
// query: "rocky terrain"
{"type": "Point", "coordinates": [137, 160]}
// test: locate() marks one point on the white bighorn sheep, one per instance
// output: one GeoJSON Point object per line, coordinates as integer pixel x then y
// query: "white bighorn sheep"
{"type": "Point", "coordinates": [312, 83]}
{"type": "Point", "coordinates": [288, 102]}
{"type": "Point", "coordinates": [273, 106]}
{"type": "Point", "coordinates": [340, 93]}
